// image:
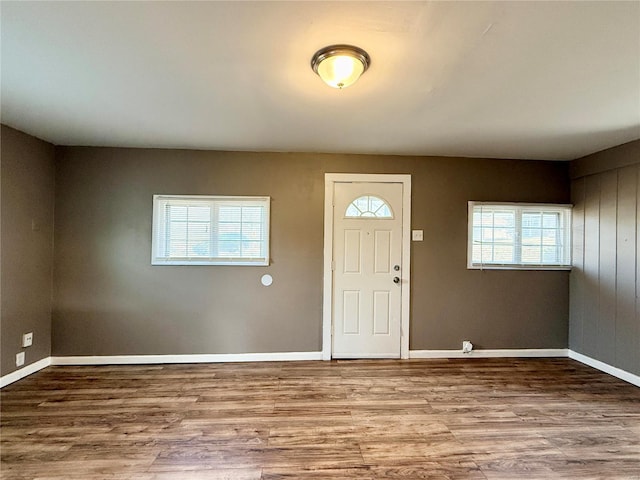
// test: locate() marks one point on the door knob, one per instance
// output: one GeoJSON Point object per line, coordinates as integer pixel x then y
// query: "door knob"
{"type": "Point", "coordinates": [396, 279]}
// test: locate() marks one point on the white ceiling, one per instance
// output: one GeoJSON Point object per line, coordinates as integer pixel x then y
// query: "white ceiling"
{"type": "Point", "coordinates": [537, 80]}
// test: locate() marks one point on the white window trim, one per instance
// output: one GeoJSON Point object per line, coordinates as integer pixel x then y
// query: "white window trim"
{"type": "Point", "coordinates": [160, 260]}
{"type": "Point", "coordinates": [519, 266]}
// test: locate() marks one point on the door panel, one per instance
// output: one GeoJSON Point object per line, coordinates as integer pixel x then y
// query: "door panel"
{"type": "Point", "coordinates": [351, 312]}
{"type": "Point", "coordinates": [382, 251]}
{"type": "Point", "coordinates": [381, 315]}
{"type": "Point", "coordinates": [352, 251]}
{"type": "Point", "coordinates": [367, 302]}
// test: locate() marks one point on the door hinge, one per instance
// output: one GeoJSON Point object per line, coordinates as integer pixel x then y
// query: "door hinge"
{"type": "Point", "coordinates": [333, 265]}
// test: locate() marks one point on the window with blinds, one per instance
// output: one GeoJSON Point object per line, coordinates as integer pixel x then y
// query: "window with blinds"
{"type": "Point", "coordinates": [519, 236]}
{"type": "Point", "coordinates": [210, 230]}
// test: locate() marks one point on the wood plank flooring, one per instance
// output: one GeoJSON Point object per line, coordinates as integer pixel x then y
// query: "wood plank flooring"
{"type": "Point", "coordinates": [418, 419]}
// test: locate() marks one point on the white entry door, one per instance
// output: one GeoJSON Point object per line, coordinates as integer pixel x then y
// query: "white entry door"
{"type": "Point", "coordinates": [367, 276]}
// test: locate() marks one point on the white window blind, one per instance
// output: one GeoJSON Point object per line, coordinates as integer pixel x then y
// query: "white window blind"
{"type": "Point", "coordinates": [519, 236]}
{"type": "Point", "coordinates": [210, 230]}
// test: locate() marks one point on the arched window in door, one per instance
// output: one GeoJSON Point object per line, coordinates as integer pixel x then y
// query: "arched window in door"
{"type": "Point", "coordinates": [368, 206]}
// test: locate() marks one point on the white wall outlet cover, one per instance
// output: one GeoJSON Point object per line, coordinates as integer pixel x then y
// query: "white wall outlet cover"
{"type": "Point", "coordinates": [19, 359]}
{"type": "Point", "coordinates": [417, 235]}
{"type": "Point", "coordinates": [27, 339]}
{"type": "Point", "coordinates": [266, 280]}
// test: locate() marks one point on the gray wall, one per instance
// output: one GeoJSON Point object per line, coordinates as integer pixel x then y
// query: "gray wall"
{"type": "Point", "coordinates": [27, 168]}
{"type": "Point", "coordinates": [605, 281]}
{"type": "Point", "coordinates": [109, 300]}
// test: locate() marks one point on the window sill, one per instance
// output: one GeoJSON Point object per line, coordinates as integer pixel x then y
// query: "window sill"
{"type": "Point", "coordinates": [561, 268]}
{"type": "Point", "coordinates": [201, 263]}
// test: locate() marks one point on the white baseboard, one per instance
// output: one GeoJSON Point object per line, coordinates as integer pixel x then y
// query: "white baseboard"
{"type": "Point", "coordinates": [505, 353]}
{"type": "Point", "coordinates": [605, 367]}
{"type": "Point", "coordinates": [292, 356]}
{"type": "Point", "coordinates": [195, 358]}
{"type": "Point", "coordinates": [25, 371]}
{"type": "Point", "coordinates": [535, 352]}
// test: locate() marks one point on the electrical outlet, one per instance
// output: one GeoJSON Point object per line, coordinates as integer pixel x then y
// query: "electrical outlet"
{"type": "Point", "coordinates": [19, 359]}
{"type": "Point", "coordinates": [27, 339]}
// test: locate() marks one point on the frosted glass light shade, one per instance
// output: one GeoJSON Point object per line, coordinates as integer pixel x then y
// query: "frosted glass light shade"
{"type": "Point", "coordinates": [340, 65]}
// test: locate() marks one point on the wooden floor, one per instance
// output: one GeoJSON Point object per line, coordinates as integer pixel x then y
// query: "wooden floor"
{"type": "Point", "coordinates": [462, 419]}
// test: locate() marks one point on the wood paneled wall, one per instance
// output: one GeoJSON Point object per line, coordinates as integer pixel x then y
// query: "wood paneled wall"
{"type": "Point", "coordinates": [605, 281]}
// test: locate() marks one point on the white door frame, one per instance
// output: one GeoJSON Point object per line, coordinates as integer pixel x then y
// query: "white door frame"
{"type": "Point", "coordinates": [327, 301]}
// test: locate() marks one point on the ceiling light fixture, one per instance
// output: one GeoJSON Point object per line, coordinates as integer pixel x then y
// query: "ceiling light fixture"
{"type": "Point", "coordinates": [340, 65]}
